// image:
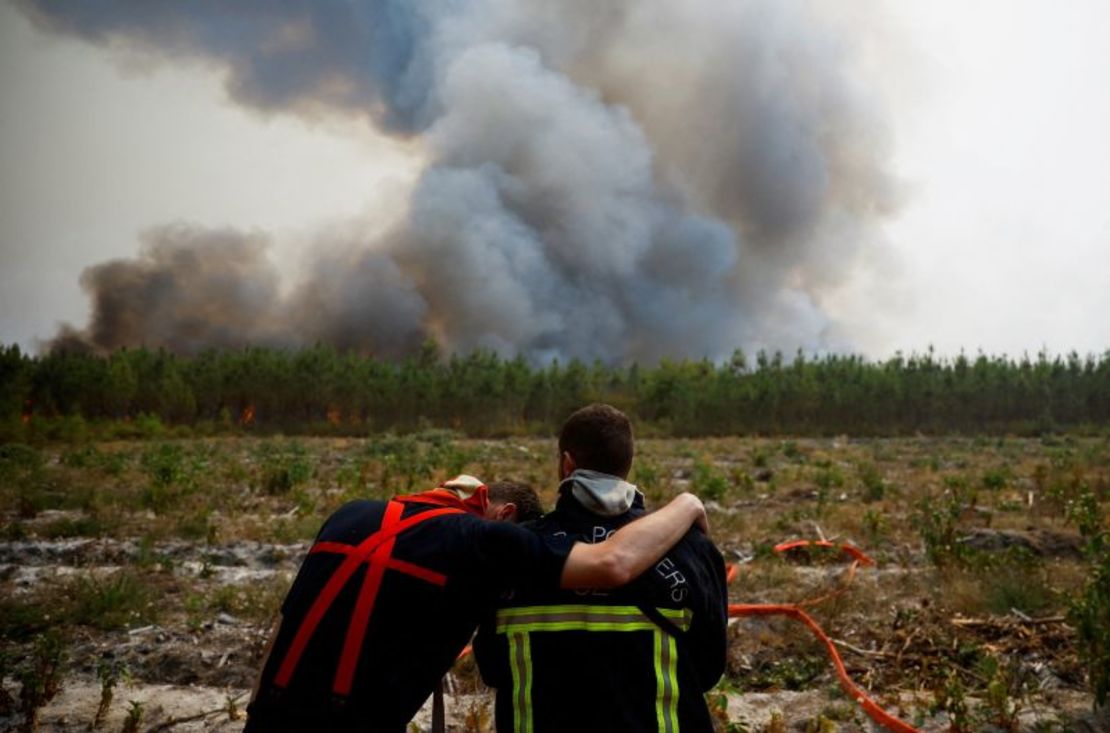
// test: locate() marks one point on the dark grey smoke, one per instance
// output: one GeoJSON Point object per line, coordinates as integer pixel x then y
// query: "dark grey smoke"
{"type": "Point", "coordinates": [616, 180]}
{"type": "Point", "coordinates": [188, 289]}
{"type": "Point", "coordinates": [369, 58]}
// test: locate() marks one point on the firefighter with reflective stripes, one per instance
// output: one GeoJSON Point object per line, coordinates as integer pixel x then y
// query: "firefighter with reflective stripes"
{"type": "Point", "coordinates": [391, 592]}
{"type": "Point", "coordinates": [637, 658]}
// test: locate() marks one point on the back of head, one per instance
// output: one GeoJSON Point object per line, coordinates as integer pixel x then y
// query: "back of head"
{"type": "Point", "coordinates": [599, 438]}
{"type": "Point", "coordinates": [521, 495]}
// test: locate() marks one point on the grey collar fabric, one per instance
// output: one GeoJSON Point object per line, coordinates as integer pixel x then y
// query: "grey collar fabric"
{"type": "Point", "coordinates": [601, 493]}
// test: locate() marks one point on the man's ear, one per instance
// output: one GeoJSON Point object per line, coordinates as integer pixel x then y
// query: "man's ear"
{"type": "Point", "coordinates": [567, 465]}
{"type": "Point", "coordinates": [507, 512]}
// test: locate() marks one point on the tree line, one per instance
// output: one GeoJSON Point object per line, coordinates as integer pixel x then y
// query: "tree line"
{"type": "Point", "coordinates": [321, 390]}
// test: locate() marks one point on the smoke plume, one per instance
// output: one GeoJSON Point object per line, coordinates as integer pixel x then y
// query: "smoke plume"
{"type": "Point", "coordinates": [615, 180]}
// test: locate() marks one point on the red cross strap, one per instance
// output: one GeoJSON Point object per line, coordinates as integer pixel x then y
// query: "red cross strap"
{"type": "Point", "coordinates": [376, 552]}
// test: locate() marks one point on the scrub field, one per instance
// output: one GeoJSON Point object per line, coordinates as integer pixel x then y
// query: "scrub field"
{"type": "Point", "coordinates": [141, 578]}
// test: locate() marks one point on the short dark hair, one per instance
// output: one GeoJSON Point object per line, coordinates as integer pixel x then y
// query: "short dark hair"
{"type": "Point", "coordinates": [599, 438]}
{"type": "Point", "coordinates": [527, 502]}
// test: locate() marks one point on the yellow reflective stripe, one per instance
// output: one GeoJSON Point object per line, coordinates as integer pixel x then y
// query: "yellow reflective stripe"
{"type": "Point", "coordinates": [671, 701]}
{"type": "Point", "coordinates": [670, 613]}
{"type": "Point", "coordinates": [577, 626]}
{"type": "Point", "coordinates": [520, 660]}
{"type": "Point", "coordinates": [527, 685]}
{"type": "Point", "coordinates": [657, 655]}
{"type": "Point", "coordinates": [665, 654]}
{"type": "Point", "coordinates": [584, 618]}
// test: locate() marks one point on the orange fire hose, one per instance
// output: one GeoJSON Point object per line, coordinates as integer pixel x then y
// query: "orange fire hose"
{"type": "Point", "coordinates": [796, 612]}
{"type": "Point", "coordinates": [857, 554]}
{"type": "Point", "coordinates": [859, 557]}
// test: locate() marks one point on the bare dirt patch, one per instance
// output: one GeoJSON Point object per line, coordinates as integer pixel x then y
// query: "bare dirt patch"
{"type": "Point", "coordinates": [170, 560]}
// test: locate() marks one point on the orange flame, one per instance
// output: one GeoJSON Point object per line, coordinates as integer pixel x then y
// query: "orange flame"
{"type": "Point", "coordinates": [247, 416]}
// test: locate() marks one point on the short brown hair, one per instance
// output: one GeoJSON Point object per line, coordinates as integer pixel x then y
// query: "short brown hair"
{"type": "Point", "coordinates": [527, 502]}
{"type": "Point", "coordinates": [599, 438]}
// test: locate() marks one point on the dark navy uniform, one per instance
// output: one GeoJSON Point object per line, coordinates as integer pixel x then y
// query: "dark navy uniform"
{"type": "Point", "coordinates": [637, 658]}
{"type": "Point", "coordinates": [381, 608]}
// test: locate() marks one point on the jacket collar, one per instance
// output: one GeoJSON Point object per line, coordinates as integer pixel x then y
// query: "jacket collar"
{"type": "Point", "coordinates": [601, 493]}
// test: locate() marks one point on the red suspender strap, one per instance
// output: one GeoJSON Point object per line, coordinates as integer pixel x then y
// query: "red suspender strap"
{"type": "Point", "coordinates": [393, 563]}
{"type": "Point", "coordinates": [376, 551]}
{"type": "Point", "coordinates": [356, 630]}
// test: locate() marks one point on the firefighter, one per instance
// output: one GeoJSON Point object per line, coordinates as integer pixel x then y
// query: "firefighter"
{"type": "Point", "coordinates": [391, 592]}
{"type": "Point", "coordinates": [637, 658]}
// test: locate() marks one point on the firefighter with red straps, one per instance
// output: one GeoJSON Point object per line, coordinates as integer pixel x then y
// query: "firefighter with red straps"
{"type": "Point", "coordinates": [391, 592]}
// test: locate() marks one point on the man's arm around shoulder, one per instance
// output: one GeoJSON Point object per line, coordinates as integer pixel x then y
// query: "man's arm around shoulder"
{"type": "Point", "coordinates": [633, 548]}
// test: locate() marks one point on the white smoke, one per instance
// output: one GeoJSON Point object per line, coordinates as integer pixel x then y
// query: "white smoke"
{"type": "Point", "coordinates": [606, 180]}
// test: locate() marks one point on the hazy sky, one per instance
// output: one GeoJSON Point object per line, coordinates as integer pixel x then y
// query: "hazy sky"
{"type": "Point", "coordinates": [999, 113]}
{"type": "Point", "coordinates": [1006, 229]}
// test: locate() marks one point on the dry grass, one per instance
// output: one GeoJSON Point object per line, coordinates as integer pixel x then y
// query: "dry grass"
{"type": "Point", "coordinates": [899, 499]}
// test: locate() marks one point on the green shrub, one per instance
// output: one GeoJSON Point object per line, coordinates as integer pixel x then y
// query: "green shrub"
{"type": "Point", "coordinates": [449, 456]}
{"type": "Point", "coordinates": [164, 464]}
{"type": "Point", "coordinates": [937, 519]}
{"type": "Point", "coordinates": [402, 461]}
{"type": "Point", "coordinates": [148, 427]}
{"type": "Point", "coordinates": [40, 678]}
{"type": "Point", "coordinates": [83, 526]}
{"type": "Point", "coordinates": [169, 478]}
{"type": "Point", "coordinates": [84, 457]}
{"type": "Point", "coordinates": [90, 457]}
{"type": "Point", "coordinates": [196, 526]}
{"type": "Point", "coordinates": [21, 617]}
{"type": "Point", "coordinates": [25, 483]}
{"type": "Point", "coordinates": [786, 673]}
{"type": "Point", "coordinates": [299, 528]}
{"type": "Point", "coordinates": [874, 487]}
{"type": "Point", "coordinates": [111, 602]}
{"type": "Point", "coordinates": [15, 531]}
{"type": "Point", "coordinates": [743, 480]}
{"type": "Point", "coordinates": [874, 526]}
{"type": "Point", "coordinates": [791, 451]}
{"type": "Point", "coordinates": [707, 481]}
{"type": "Point", "coordinates": [134, 717]}
{"type": "Point", "coordinates": [952, 699]}
{"type": "Point", "coordinates": [995, 479]}
{"type": "Point", "coordinates": [18, 460]}
{"type": "Point", "coordinates": [1003, 692]}
{"type": "Point", "coordinates": [68, 429]}
{"type": "Point", "coordinates": [285, 471]}
{"type": "Point", "coordinates": [109, 672]}
{"type": "Point", "coordinates": [258, 602]}
{"type": "Point", "coordinates": [1013, 579]}
{"type": "Point", "coordinates": [13, 430]}
{"type": "Point", "coordinates": [645, 475]}
{"type": "Point", "coordinates": [829, 478]}
{"type": "Point", "coordinates": [1089, 612]}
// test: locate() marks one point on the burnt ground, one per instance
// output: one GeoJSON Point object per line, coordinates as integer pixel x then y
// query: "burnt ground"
{"type": "Point", "coordinates": [166, 562]}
